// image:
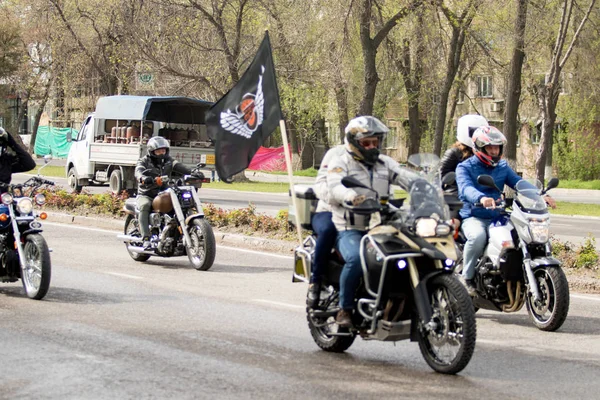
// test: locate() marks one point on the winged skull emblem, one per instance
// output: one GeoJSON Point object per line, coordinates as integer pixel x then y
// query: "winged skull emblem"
{"type": "Point", "coordinates": [248, 115]}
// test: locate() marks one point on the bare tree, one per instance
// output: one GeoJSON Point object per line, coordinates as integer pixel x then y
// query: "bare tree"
{"type": "Point", "coordinates": [547, 93]}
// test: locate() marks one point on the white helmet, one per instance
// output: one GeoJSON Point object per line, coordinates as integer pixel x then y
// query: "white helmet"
{"type": "Point", "coordinates": [467, 124]}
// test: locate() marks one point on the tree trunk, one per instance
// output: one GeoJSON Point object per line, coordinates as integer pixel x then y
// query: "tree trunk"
{"type": "Point", "coordinates": [513, 92]}
{"type": "Point", "coordinates": [342, 106]}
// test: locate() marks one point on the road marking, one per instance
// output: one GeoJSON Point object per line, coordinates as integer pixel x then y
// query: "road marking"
{"type": "Point", "coordinates": [125, 275]}
{"type": "Point", "coordinates": [277, 303]}
{"type": "Point", "coordinates": [263, 253]}
{"type": "Point", "coordinates": [578, 296]}
{"type": "Point", "coordinates": [86, 228]}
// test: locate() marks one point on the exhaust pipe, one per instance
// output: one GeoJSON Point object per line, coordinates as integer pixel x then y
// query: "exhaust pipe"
{"type": "Point", "coordinates": [140, 250]}
{"type": "Point", "coordinates": [129, 238]}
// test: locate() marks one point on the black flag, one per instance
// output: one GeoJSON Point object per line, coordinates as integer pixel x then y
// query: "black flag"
{"type": "Point", "coordinates": [240, 122]}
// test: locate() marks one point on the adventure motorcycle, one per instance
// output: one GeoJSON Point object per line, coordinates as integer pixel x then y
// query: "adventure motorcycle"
{"type": "Point", "coordinates": [517, 266]}
{"type": "Point", "coordinates": [177, 223]}
{"type": "Point", "coordinates": [24, 253]}
{"type": "Point", "coordinates": [408, 289]}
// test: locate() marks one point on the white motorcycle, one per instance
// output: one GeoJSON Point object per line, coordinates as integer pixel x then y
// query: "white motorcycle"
{"type": "Point", "coordinates": [517, 266]}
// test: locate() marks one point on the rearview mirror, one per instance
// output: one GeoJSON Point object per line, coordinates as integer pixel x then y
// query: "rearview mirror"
{"type": "Point", "coordinates": [488, 181]}
{"type": "Point", "coordinates": [552, 184]}
{"type": "Point", "coordinates": [351, 182]}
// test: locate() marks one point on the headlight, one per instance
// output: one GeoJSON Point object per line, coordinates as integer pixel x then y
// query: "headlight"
{"type": "Point", "coordinates": [425, 227]}
{"type": "Point", "coordinates": [539, 229]}
{"type": "Point", "coordinates": [442, 230]}
{"type": "Point", "coordinates": [6, 198]}
{"type": "Point", "coordinates": [40, 199]}
{"type": "Point", "coordinates": [25, 205]}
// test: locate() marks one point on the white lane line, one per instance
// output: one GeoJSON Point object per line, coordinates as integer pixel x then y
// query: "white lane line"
{"type": "Point", "coordinates": [85, 228]}
{"type": "Point", "coordinates": [125, 275]}
{"type": "Point", "coordinates": [578, 296]}
{"type": "Point", "coordinates": [263, 253]}
{"type": "Point", "coordinates": [277, 303]}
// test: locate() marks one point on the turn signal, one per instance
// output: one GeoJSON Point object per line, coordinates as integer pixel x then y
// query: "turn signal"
{"type": "Point", "coordinates": [43, 215]}
{"type": "Point", "coordinates": [3, 217]}
{"type": "Point", "coordinates": [158, 181]}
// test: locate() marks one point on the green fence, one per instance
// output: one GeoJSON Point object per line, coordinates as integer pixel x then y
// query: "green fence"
{"type": "Point", "coordinates": [51, 140]}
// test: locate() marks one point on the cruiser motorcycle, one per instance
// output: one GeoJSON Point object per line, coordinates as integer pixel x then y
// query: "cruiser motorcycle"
{"type": "Point", "coordinates": [517, 267]}
{"type": "Point", "coordinates": [177, 223]}
{"type": "Point", "coordinates": [24, 253]}
{"type": "Point", "coordinates": [408, 289]}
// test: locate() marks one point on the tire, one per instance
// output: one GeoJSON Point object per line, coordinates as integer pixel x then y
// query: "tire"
{"type": "Point", "coordinates": [456, 329]}
{"type": "Point", "coordinates": [551, 312]}
{"type": "Point", "coordinates": [36, 269]}
{"type": "Point", "coordinates": [72, 181]}
{"type": "Point", "coordinates": [116, 181]}
{"type": "Point", "coordinates": [321, 329]}
{"type": "Point", "coordinates": [203, 249]}
{"type": "Point", "coordinates": [131, 228]}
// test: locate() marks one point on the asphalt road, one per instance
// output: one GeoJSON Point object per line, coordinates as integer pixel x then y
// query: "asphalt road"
{"type": "Point", "coordinates": [113, 328]}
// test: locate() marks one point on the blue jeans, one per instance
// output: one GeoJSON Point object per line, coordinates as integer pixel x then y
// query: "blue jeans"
{"type": "Point", "coordinates": [324, 228]}
{"type": "Point", "coordinates": [476, 232]}
{"type": "Point", "coordinates": [348, 244]}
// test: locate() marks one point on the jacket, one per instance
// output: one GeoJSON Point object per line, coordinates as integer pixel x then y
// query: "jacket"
{"type": "Point", "coordinates": [147, 166]}
{"type": "Point", "coordinates": [320, 187]}
{"type": "Point", "coordinates": [379, 177]}
{"type": "Point", "coordinates": [471, 192]}
{"type": "Point", "coordinates": [450, 160]}
{"type": "Point", "coordinates": [14, 159]}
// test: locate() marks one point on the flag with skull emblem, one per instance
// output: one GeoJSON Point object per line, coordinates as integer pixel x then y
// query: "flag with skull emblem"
{"type": "Point", "coordinates": [246, 116]}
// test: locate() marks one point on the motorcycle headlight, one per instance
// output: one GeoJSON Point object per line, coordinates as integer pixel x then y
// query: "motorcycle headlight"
{"type": "Point", "coordinates": [40, 199]}
{"type": "Point", "coordinates": [539, 229]}
{"type": "Point", "coordinates": [442, 230]}
{"type": "Point", "coordinates": [25, 205]}
{"type": "Point", "coordinates": [425, 227]}
{"type": "Point", "coordinates": [6, 198]}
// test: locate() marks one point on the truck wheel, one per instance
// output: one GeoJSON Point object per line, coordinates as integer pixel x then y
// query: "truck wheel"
{"type": "Point", "coordinates": [72, 181]}
{"type": "Point", "coordinates": [116, 181]}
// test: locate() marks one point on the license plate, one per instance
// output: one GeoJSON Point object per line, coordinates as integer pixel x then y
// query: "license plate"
{"type": "Point", "coordinates": [210, 159]}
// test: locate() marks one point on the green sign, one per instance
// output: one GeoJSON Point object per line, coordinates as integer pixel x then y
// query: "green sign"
{"type": "Point", "coordinates": [145, 78]}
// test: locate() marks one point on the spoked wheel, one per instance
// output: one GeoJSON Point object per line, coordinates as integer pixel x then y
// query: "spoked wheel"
{"type": "Point", "coordinates": [203, 249]}
{"type": "Point", "coordinates": [326, 333]}
{"type": "Point", "coordinates": [132, 229]}
{"type": "Point", "coordinates": [550, 311]}
{"type": "Point", "coordinates": [36, 268]}
{"type": "Point", "coordinates": [448, 344]}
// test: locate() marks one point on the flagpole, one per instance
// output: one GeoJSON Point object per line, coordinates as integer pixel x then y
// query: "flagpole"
{"type": "Point", "coordinates": [288, 162]}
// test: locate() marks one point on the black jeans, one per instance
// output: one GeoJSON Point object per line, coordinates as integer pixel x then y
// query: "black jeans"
{"type": "Point", "coordinates": [324, 228]}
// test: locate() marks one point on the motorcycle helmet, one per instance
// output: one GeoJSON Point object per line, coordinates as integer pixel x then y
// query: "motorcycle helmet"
{"type": "Point", "coordinates": [155, 143]}
{"type": "Point", "coordinates": [361, 128]}
{"type": "Point", "coordinates": [467, 124]}
{"type": "Point", "coordinates": [488, 136]}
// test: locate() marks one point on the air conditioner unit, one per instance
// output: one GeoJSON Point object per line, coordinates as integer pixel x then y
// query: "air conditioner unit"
{"type": "Point", "coordinates": [498, 106]}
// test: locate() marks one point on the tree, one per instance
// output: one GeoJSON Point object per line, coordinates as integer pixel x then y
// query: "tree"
{"type": "Point", "coordinates": [547, 92]}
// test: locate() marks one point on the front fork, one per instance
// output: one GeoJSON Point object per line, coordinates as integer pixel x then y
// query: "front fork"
{"type": "Point", "coordinates": [17, 235]}
{"type": "Point", "coordinates": [531, 282]}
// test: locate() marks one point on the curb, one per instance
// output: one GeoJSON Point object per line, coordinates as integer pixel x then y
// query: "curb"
{"type": "Point", "coordinates": [222, 238]}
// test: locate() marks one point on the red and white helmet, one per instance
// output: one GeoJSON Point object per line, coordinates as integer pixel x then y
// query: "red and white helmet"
{"type": "Point", "coordinates": [466, 126]}
{"type": "Point", "coordinates": [488, 136]}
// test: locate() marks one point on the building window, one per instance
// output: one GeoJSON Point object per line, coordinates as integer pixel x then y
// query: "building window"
{"type": "Point", "coordinates": [461, 96]}
{"type": "Point", "coordinates": [391, 139]}
{"type": "Point", "coordinates": [535, 133]}
{"type": "Point", "coordinates": [484, 86]}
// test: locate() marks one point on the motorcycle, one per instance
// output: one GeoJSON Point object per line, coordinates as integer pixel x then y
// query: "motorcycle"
{"type": "Point", "coordinates": [517, 266]}
{"type": "Point", "coordinates": [24, 253]}
{"type": "Point", "coordinates": [177, 223]}
{"type": "Point", "coordinates": [408, 289]}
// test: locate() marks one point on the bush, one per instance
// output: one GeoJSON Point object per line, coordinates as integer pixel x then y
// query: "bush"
{"type": "Point", "coordinates": [582, 257]}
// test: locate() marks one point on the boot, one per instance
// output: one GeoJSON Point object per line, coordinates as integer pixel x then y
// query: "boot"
{"type": "Point", "coordinates": [312, 297]}
{"type": "Point", "coordinates": [344, 318]}
{"type": "Point", "coordinates": [146, 244]}
{"type": "Point", "coordinates": [469, 285]}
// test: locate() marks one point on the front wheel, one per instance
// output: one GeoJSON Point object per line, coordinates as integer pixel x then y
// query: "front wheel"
{"type": "Point", "coordinates": [132, 229]}
{"type": "Point", "coordinates": [72, 181]}
{"type": "Point", "coordinates": [36, 268]}
{"type": "Point", "coordinates": [550, 311]}
{"type": "Point", "coordinates": [448, 343]}
{"type": "Point", "coordinates": [201, 252]}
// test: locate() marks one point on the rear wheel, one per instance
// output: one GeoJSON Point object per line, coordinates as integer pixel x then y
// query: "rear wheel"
{"type": "Point", "coordinates": [132, 229]}
{"type": "Point", "coordinates": [550, 311]}
{"type": "Point", "coordinates": [36, 267]}
{"type": "Point", "coordinates": [72, 181]}
{"type": "Point", "coordinates": [116, 181]}
{"type": "Point", "coordinates": [449, 343]}
{"type": "Point", "coordinates": [201, 252]}
{"type": "Point", "coordinates": [325, 331]}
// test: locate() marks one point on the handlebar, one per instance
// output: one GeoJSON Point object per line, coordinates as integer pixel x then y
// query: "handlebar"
{"type": "Point", "coordinates": [499, 204]}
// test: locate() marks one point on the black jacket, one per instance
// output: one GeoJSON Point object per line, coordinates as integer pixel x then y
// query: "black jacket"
{"type": "Point", "coordinates": [150, 166]}
{"type": "Point", "coordinates": [13, 159]}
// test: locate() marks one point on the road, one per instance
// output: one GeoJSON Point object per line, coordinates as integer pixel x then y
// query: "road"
{"type": "Point", "coordinates": [113, 328]}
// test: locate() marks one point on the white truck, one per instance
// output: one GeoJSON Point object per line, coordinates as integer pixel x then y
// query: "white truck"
{"type": "Point", "coordinates": [113, 138]}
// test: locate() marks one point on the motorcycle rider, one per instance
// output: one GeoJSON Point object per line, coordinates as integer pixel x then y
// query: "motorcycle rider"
{"type": "Point", "coordinates": [462, 148]}
{"type": "Point", "coordinates": [322, 226]}
{"type": "Point", "coordinates": [157, 162]}
{"type": "Point", "coordinates": [488, 145]}
{"type": "Point", "coordinates": [363, 161]}
{"type": "Point", "coordinates": [13, 158]}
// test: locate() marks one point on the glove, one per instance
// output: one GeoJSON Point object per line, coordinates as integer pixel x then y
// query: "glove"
{"type": "Point", "coordinates": [353, 198]}
{"type": "Point", "coordinates": [147, 180]}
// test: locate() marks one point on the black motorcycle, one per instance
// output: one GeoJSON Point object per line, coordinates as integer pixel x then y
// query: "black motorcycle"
{"type": "Point", "coordinates": [408, 289]}
{"type": "Point", "coordinates": [24, 253]}
{"type": "Point", "coordinates": [177, 223]}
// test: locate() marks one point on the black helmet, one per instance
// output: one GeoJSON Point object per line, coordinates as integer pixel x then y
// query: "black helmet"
{"type": "Point", "coordinates": [155, 143]}
{"type": "Point", "coordinates": [361, 128]}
